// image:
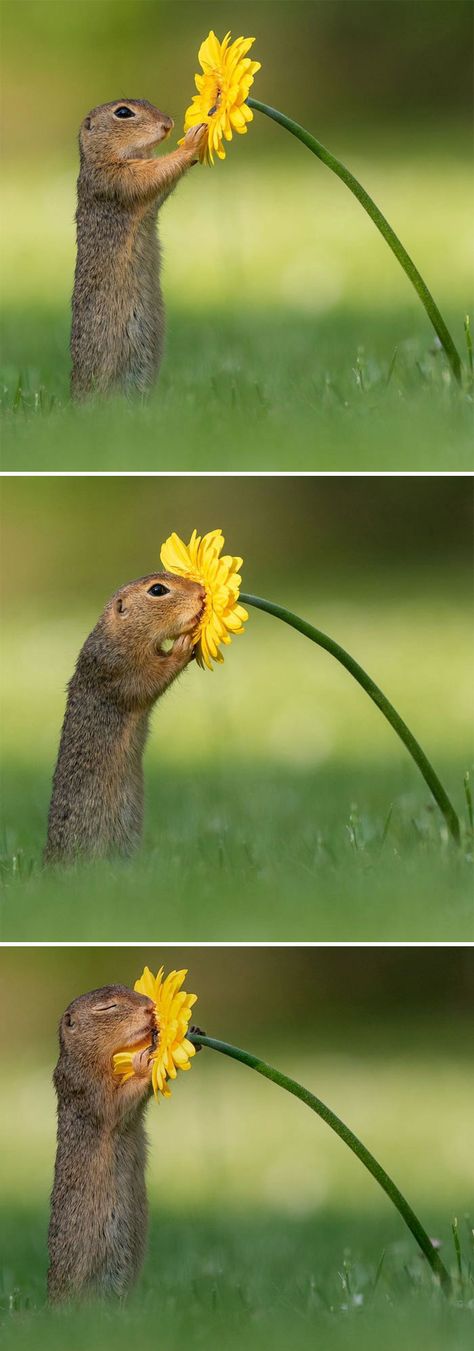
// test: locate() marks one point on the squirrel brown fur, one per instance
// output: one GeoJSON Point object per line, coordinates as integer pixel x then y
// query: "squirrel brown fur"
{"type": "Point", "coordinates": [117, 305]}
{"type": "Point", "coordinates": [98, 1224]}
{"type": "Point", "coordinates": [97, 799]}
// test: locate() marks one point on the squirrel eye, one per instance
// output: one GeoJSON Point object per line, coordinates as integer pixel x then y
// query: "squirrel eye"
{"type": "Point", "coordinates": [123, 112]}
{"type": "Point", "coordinates": [105, 1008]}
{"type": "Point", "coordinates": [158, 589]}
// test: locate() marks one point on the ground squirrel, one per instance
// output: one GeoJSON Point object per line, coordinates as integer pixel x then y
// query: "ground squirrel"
{"type": "Point", "coordinates": [98, 1225]}
{"type": "Point", "coordinates": [117, 306]}
{"type": "Point", "coordinates": [97, 799]}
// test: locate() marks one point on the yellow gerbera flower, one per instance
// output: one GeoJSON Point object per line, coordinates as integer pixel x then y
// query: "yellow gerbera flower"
{"type": "Point", "coordinates": [173, 1051]}
{"type": "Point", "coordinates": [222, 616]}
{"type": "Point", "coordinates": [222, 92]}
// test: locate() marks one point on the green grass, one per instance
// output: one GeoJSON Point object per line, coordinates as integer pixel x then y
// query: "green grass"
{"type": "Point", "coordinates": [294, 341]}
{"type": "Point", "coordinates": [253, 1282]}
{"type": "Point", "coordinates": [351, 392]}
{"type": "Point", "coordinates": [250, 854]}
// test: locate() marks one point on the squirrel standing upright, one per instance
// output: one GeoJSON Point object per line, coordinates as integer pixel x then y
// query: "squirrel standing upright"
{"type": "Point", "coordinates": [97, 800]}
{"type": "Point", "coordinates": [117, 306]}
{"type": "Point", "coordinates": [98, 1224]}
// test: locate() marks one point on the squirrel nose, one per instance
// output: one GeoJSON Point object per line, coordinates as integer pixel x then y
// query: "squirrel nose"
{"type": "Point", "coordinates": [167, 123]}
{"type": "Point", "coordinates": [149, 1006]}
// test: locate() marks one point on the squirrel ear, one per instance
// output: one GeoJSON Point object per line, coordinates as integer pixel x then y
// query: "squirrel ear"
{"type": "Point", "coordinates": [87, 123]}
{"type": "Point", "coordinates": [121, 607]}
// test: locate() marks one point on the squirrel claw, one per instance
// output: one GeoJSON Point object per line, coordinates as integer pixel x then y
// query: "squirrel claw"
{"type": "Point", "coordinates": [184, 648]}
{"type": "Point", "coordinates": [197, 132]}
{"type": "Point", "coordinates": [196, 139]}
{"type": "Point", "coordinates": [200, 1033]}
{"type": "Point", "coordinates": [141, 1062]}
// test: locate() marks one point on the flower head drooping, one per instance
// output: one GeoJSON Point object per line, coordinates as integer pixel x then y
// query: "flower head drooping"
{"type": "Point", "coordinates": [222, 616]}
{"type": "Point", "coordinates": [222, 92]}
{"type": "Point", "coordinates": [173, 1051]}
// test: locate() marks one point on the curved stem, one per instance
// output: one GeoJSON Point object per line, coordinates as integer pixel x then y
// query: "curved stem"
{"type": "Point", "coordinates": [345, 1134]}
{"type": "Point", "coordinates": [416, 752]}
{"type": "Point", "coordinates": [379, 220]}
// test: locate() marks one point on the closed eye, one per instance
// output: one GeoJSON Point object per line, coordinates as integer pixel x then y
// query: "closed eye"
{"type": "Point", "coordinates": [123, 111]}
{"type": "Point", "coordinates": [106, 1008]}
{"type": "Point", "coordinates": [158, 590]}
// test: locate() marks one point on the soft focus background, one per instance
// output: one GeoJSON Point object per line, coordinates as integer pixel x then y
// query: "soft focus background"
{"type": "Point", "coordinates": [294, 338]}
{"type": "Point", "coordinates": [262, 1222]}
{"type": "Point", "coordinates": [279, 803]}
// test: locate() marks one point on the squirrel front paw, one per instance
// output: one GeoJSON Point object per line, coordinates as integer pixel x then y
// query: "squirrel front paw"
{"type": "Point", "coordinates": [199, 1032]}
{"type": "Point", "coordinates": [196, 141]}
{"type": "Point", "coordinates": [183, 650]}
{"type": "Point", "coordinates": [142, 1063]}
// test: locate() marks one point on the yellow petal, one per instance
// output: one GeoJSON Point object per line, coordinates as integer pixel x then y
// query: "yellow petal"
{"type": "Point", "coordinates": [189, 1047]}
{"type": "Point", "coordinates": [175, 556]}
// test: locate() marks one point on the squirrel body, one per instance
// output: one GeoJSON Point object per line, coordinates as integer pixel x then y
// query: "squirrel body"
{"type": "Point", "coordinates": [97, 797]}
{"type": "Point", "coordinates": [98, 1224]}
{"type": "Point", "coordinates": [117, 305]}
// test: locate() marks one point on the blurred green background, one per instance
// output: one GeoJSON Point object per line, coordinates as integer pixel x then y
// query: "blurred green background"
{"type": "Point", "coordinates": [279, 803]}
{"type": "Point", "coordinates": [261, 1220]}
{"type": "Point", "coordinates": [294, 339]}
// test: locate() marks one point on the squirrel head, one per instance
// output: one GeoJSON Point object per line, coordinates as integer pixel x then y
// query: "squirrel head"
{"type": "Point", "coordinates": [98, 1024]}
{"type": "Point", "coordinates": [125, 129]}
{"type": "Point", "coordinates": [153, 610]}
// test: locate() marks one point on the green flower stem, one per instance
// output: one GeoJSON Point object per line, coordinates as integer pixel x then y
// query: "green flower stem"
{"type": "Point", "coordinates": [351, 1140]}
{"type": "Point", "coordinates": [418, 755]}
{"type": "Point", "coordinates": [379, 220]}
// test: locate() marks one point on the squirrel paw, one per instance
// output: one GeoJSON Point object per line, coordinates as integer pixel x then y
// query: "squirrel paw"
{"type": "Point", "coordinates": [142, 1063]}
{"type": "Point", "coordinates": [183, 649]}
{"type": "Point", "coordinates": [196, 139]}
{"type": "Point", "coordinates": [199, 1032]}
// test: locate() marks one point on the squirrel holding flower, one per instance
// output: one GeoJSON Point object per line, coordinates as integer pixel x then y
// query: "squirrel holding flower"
{"type": "Point", "coordinates": [98, 1225]}
{"type": "Point", "coordinates": [122, 670]}
{"type": "Point", "coordinates": [98, 1222]}
{"type": "Point", "coordinates": [117, 305]}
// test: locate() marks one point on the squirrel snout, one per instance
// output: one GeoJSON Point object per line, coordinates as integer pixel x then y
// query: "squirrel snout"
{"type": "Point", "coordinates": [167, 124]}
